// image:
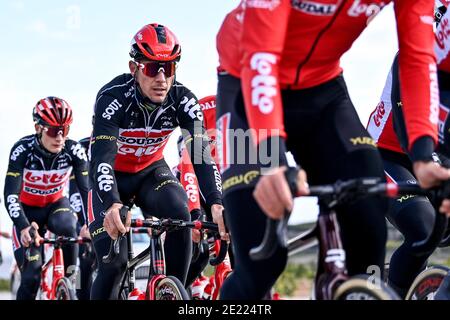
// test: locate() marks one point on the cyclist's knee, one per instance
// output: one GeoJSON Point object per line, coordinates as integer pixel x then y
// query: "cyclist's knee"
{"type": "Point", "coordinates": [31, 275]}
{"type": "Point", "coordinates": [65, 225]}
{"type": "Point", "coordinates": [176, 209]}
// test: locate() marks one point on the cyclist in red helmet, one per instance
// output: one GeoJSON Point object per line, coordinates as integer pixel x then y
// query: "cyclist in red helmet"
{"type": "Point", "coordinates": [36, 185]}
{"type": "Point", "coordinates": [134, 116]}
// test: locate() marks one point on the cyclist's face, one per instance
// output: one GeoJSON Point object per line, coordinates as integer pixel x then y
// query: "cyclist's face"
{"type": "Point", "coordinates": [156, 88]}
{"type": "Point", "coordinates": [54, 145]}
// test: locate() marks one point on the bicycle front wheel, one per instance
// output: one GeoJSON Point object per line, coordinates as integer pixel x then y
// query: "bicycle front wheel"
{"type": "Point", "coordinates": [427, 283]}
{"type": "Point", "coordinates": [362, 287]}
{"type": "Point", "coordinates": [170, 288]}
{"type": "Point", "coordinates": [65, 290]}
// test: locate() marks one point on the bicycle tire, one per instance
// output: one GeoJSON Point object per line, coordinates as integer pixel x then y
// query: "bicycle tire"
{"type": "Point", "coordinates": [361, 287]}
{"type": "Point", "coordinates": [64, 290]}
{"type": "Point", "coordinates": [427, 283]}
{"type": "Point", "coordinates": [170, 288]}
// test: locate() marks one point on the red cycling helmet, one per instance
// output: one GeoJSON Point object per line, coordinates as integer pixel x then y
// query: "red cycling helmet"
{"type": "Point", "coordinates": [52, 112]}
{"type": "Point", "coordinates": [155, 42]}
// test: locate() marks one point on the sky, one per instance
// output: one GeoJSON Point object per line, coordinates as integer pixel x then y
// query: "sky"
{"type": "Point", "coordinates": [70, 49]}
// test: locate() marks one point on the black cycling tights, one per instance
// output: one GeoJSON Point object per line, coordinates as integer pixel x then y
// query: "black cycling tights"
{"type": "Point", "coordinates": [414, 217]}
{"type": "Point", "coordinates": [329, 142]}
{"type": "Point", "coordinates": [59, 219]}
{"type": "Point", "coordinates": [158, 193]}
{"type": "Point", "coordinates": [87, 266]}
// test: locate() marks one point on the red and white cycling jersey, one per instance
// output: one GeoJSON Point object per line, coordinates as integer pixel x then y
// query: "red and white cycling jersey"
{"type": "Point", "coordinates": [136, 148]}
{"type": "Point", "coordinates": [41, 187]}
{"type": "Point", "coordinates": [380, 124]}
{"type": "Point", "coordinates": [276, 44]}
{"type": "Point", "coordinates": [187, 175]}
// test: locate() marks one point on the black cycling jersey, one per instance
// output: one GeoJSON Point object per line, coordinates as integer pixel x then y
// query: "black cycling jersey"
{"type": "Point", "coordinates": [76, 201]}
{"type": "Point", "coordinates": [39, 178]}
{"type": "Point", "coordinates": [128, 137]}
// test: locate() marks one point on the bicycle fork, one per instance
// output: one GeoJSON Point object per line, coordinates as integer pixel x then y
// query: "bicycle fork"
{"type": "Point", "coordinates": [332, 270]}
{"type": "Point", "coordinates": [157, 264]}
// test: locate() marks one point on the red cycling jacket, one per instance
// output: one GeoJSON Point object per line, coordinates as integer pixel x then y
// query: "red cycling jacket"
{"type": "Point", "coordinates": [276, 44]}
{"type": "Point", "coordinates": [187, 175]}
{"type": "Point", "coordinates": [381, 120]}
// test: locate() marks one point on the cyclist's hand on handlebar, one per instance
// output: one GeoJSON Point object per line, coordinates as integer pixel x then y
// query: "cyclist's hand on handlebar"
{"type": "Point", "coordinates": [217, 215]}
{"type": "Point", "coordinates": [196, 235]}
{"type": "Point", "coordinates": [445, 207]}
{"type": "Point", "coordinates": [273, 195]}
{"type": "Point", "coordinates": [113, 224]}
{"type": "Point", "coordinates": [25, 237]}
{"type": "Point", "coordinates": [84, 232]}
{"type": "Point", "coordinates": [430, 174]}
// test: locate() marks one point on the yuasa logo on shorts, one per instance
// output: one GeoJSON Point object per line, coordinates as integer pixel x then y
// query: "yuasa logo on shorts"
{"type": "Point", "coordinates": [79, 152]}
{"type": "Point", "coordinates": [263, 4]}
{"type": "Point", "coordinates": [363, 141]}
{"type": "Point", "coordinates": [13, 205]}
{"type": "Point", "coordinates": [17, 151]}
{"type": "Point", "coordinates": [191, 187]}
{"type": "Point", "coordinates": [263, 83]}
{"type": "Point", "coordinates": [314, 8]}
{"type": "Point", "coordinates": [105, 179]}
{"type": "Point", "coordinates": [111, 109]}
{"type": "Point", "coordinates": [192, 108]}
{"type": "Point", "coordinates": [242, 179]}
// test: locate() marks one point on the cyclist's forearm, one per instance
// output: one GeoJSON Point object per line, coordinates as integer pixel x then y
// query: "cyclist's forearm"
{"type": "Point", "coordinates": [12, 203]}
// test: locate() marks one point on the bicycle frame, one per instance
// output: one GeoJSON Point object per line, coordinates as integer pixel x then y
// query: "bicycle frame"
{"type": "Point", "coordinates": [57, 261]}
{"type": "Point", "coordinates": [221, 271]}
{"type": "Point", "coordinates": [331, 262]}
{"type": "Point", "coordinates": [155, 251]}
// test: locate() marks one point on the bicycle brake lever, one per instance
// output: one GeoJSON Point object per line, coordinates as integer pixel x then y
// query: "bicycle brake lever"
{"type": "Point", "coordinates": [114, 250]}
{"type": "Point", "coordinates": [268, 245]}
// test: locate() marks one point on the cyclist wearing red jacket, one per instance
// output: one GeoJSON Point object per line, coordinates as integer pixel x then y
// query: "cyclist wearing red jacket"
{"type": "Point", "coordinates": [413, 216]}
{"type": "Point", "coordinates": [35, 189]}
{"type": "Point", "coordinates": [280, 76]}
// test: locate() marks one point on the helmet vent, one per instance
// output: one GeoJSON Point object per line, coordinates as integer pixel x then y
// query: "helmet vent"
{"type": "Point", "coordinates": [176, 48]}
{"type": "Point", "coordinates": [148, 49]}
{"type": "Point", "coordinates": [161, 34]}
